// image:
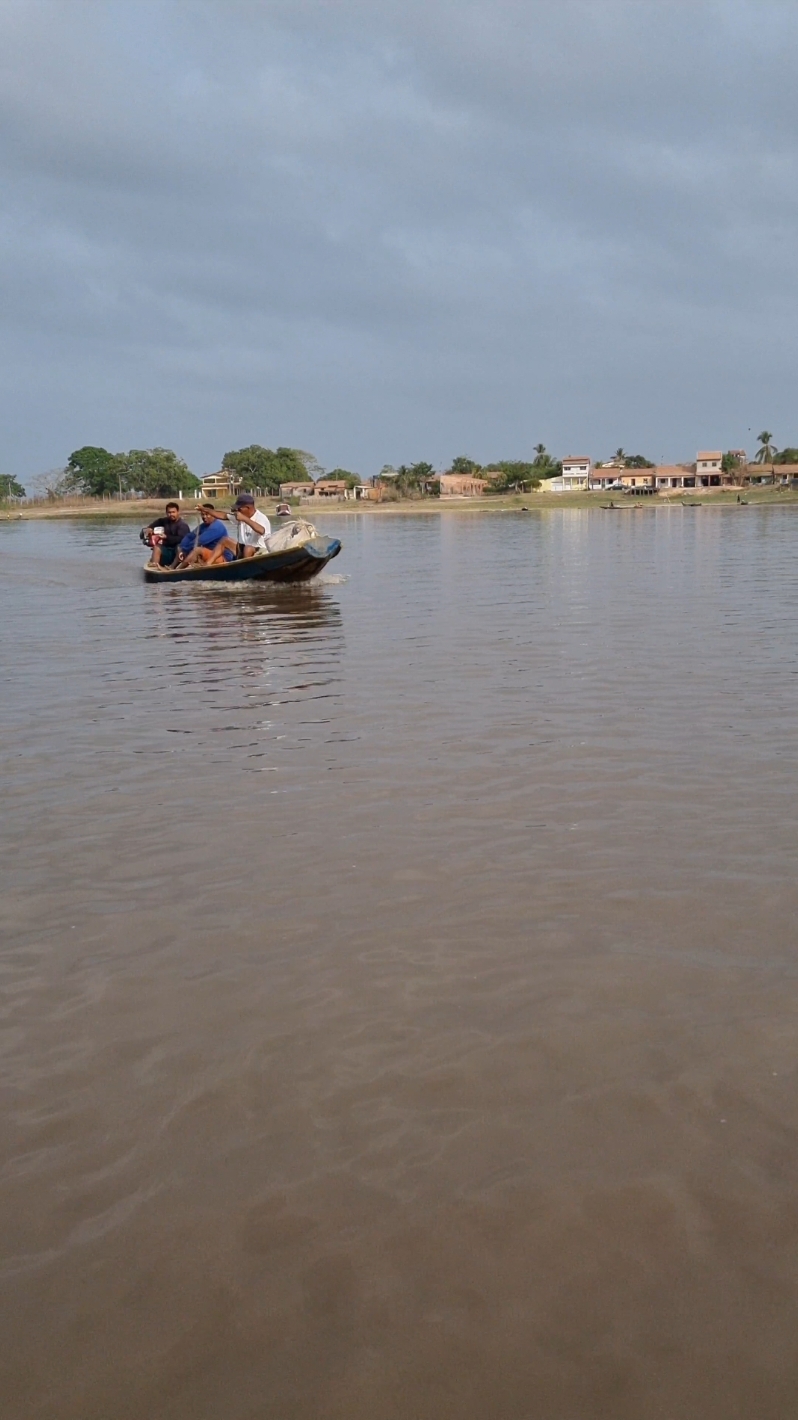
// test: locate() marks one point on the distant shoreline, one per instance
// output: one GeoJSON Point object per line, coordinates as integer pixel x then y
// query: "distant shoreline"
{"type": "Point", "coordinates": [530, 502]}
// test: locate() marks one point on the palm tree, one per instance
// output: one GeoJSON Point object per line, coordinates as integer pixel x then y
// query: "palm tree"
{"type": "Point", "coordinates": [766, 452]}
{"type": "Point", "coordinates": [542, 458]}
{"type": "Point", "coordinates": [620, 455]}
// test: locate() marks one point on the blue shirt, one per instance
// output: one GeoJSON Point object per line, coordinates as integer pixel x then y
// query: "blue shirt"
{"type": "Point", "coordinates": [209, 536]}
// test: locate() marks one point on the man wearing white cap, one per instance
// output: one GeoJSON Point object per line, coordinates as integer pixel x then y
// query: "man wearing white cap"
{"type": "Point", "coordinates": [253, 525]}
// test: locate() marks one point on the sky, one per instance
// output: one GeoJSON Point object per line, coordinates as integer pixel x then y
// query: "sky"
{"type": "Point", "coordinates": [391, 230]}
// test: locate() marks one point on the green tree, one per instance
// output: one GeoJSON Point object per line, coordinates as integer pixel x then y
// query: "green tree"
{"type": "Point", "coordinates": [423, 470]}
{"type": "Point", "coordinates": [787, 456]}
{"type": "Point", "coordinates": [157, 473]}
{"type": "Point", "coordinates": [543, 461]}
{"type": "Point", "coordinates": [766, 453]}
{"type": "Point", "coordinates": [416, 480]}
{"type": "Point", "coordinates": [254, 465]}
{"type": "Point", "coordinates": [730, 463]}
{"type": "Point", "coordinates": [92, 470]}
{"type": "Point", "coordinates": [515, 474]}
{"type": "Point", "coordinates": [9, 487]}
{"type": "Point", "coordinates": [258, 467]}
{"type": "Point", "coordinates": [464, 465]}
{"type": "Point", "coordinates": [637, 461]}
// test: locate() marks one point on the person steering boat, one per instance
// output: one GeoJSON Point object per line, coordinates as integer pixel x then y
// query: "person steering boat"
{"type": "Point", "coordinates": [253, 525]}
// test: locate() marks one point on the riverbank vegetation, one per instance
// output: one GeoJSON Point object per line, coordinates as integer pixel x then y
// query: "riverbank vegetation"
{"type": "Point", "coordinates": [258, 467]}
{"type": "Point", "coordinates": [95, 473]}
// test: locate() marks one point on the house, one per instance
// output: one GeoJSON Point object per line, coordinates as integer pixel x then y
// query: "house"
{"type": "Point", "coordinates": [224, 484]}
{"type": "Point", "coordinates": [606, 475]}
{"type": "Point", "coordinates": [709, 471]}
{"type": "Point", "coordinates": [330, 488]}
{"type": "Point", "coordinates": [674, 475]}
{"type": "Point", "coordinates": [297, 490]}
{"type": "Point", "coordinates": [461, 485]}
{"type": "Point", "coordinates": [759, 473]}
{"type": "Point", "coordinates": [322, 488]}
{"type": "Point", "coordinates": [575, 475]}
{"type": "Point", "coordinates": [639, 480]}
{"type": "Point", "coordinates": [785, 474]}
{"type": "Point", "coordinates": [708, 465]}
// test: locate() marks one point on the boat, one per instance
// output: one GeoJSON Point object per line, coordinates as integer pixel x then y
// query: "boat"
{"type": "Point", "coordinates": [293, 564]}
{"type": "Point", "coordinates": [620, 507]}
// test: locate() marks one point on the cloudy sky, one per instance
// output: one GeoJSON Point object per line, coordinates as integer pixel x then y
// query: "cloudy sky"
{"type": "Point", "coordinates": [386, 230]}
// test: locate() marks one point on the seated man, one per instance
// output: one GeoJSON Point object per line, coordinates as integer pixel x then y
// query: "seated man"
{"type": "Point", "coordinates": [253, 526]}
{"type": "Point", "coordinates": [208, 542]}
{"type": "Point", "coordinates": [164, 535]}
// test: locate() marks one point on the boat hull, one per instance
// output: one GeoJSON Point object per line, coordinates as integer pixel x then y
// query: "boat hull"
{"type": "Point", "coordinates": [295, 564]}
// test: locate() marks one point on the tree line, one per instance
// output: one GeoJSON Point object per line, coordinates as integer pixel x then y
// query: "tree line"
{"type": "Point", "coordinates": [96, 472]}
{"type": "Point", "coordinates": [160, 473]}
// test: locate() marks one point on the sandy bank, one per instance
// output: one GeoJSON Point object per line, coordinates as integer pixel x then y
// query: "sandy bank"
{"type": "Point", "coordinates": [142, 512]}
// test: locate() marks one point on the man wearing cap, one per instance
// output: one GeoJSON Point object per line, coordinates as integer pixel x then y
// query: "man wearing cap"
{"type": "Point", "coordinates": [253, 525]}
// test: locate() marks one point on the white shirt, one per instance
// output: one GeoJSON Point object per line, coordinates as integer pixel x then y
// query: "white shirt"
{"type": "Point", "coordinates": [248, 535]}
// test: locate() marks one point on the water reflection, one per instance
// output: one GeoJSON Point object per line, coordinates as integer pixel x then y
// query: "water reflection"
{"type": "Point", "coordinates": [251, 612]}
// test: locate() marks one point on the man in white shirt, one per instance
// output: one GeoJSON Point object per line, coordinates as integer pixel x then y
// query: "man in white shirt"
{"type": "Point", "coordinates": [253, 526]}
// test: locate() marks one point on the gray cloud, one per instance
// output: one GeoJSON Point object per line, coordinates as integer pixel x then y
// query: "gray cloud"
{"type": "Point", "coordinates": [398, 230]}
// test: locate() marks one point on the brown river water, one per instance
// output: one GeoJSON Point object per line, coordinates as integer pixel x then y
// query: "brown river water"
{"type": "Point", "coordinates": [399, 975]}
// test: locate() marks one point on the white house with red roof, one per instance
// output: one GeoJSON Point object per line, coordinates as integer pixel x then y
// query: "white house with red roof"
{"type": "Point", "coordinates": [575, 476]}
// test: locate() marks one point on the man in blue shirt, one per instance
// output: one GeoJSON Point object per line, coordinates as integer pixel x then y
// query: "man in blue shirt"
{"type": "Point", "coordinates": [209, 542]}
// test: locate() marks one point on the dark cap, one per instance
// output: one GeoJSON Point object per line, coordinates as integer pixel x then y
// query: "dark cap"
{"type": "Point", "coordinates": [244, 499]}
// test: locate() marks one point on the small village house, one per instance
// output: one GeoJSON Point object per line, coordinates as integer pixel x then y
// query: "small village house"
{"type": "Point", "coordinates": [709, 468]}
{"type": "Point", "coordinates": [331, 488]}
{"type": "Point", "coordinates": [762, 474]}
{"type": "Point", "coordinates": [296, 490]}
{"type": "Point", "coordinates": [671, 476]}
{"type": "Point", "coordinates": [323, 488]}
{"type": "Point", "coordinates": [786, 473]}
{"type": "Point", "coordinates": [706, 472]}
{"type": "Point", "coordinates": [575, 477]}
{"type": "Point", "coordinates": [461, 485]}
{"type": "Point", "coordinates": [224, 484]}
{"type": "Point", "coordinates": [605, 475]}
{"type": "Point", "coordinates": [640, 481]}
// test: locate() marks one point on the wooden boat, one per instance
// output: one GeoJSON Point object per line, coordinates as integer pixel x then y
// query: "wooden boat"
{"type": "Point", "coordinates": [620, 507]}
{"type": "Point", "coordinates": [294, 564]}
